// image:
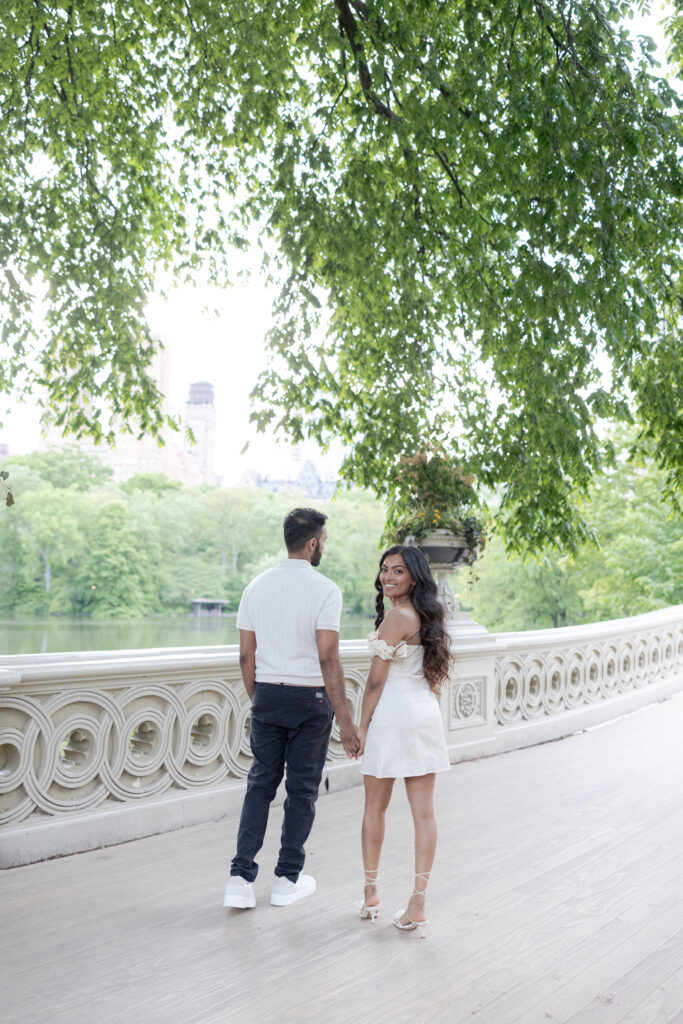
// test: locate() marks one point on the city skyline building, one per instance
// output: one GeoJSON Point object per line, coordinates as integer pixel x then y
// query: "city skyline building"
{"type": "Point", "coordinates": [304, 478]}
{"type": "Point", "coordinates": [302, 466]}
{"type": "Point", "coordinates": [200, 418]}
{"type": "Point", "coordinates": [177, 457]}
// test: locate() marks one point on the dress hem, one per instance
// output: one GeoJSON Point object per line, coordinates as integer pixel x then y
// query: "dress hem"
{"type": "Point", "coordinates": [407, 775]}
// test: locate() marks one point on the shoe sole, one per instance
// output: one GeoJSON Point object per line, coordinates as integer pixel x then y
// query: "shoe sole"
{"type": "Point", "coordinates": [239, 902]}
{"type": "Point", "coordinates": [284, 901]}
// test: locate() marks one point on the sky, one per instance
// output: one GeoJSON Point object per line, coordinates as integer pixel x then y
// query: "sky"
{"type": "Point", "coordinates": [218, 335]}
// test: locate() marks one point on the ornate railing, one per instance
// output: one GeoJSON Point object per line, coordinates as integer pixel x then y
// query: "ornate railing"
{"type": "Point", "coordinates": [550, 673]}
{"type": "Point", "coordinates": [100, 747]}
{"type": "Point", "coordinates": [82, 735]}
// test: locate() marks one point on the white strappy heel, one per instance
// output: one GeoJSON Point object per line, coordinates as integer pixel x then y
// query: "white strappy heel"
{"type": "Point", "coordinates": [412, 925]}
{"type": "Point", "coordinates": [369, 913]}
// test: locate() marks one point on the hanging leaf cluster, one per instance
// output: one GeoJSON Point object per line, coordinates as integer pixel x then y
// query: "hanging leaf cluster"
{"type": "Point", "coordinates": [473, 211]}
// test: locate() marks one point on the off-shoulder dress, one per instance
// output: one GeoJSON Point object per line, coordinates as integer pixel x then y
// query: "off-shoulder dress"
{"type": "Point", "coordinates": [406, 735]}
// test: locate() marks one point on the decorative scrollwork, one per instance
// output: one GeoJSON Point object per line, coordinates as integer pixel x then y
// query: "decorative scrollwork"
{"type": "Point", "coordinates": [354, 681]}
{"type": "Point", "coordinates": [78, 748]}
{"type": "Point", "coordinates": [74, 748]}
{"type": "Point", "coordinates": [540, 683]}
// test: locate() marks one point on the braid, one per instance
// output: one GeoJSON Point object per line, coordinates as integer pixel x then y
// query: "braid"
{"type": "Point", "coordinates": [379, 604]}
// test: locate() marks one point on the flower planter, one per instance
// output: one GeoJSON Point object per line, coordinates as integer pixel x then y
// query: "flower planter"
{"type": "Point", "coordinates": [446, 552]}
{"type": "Point", "coordinates": [444, 549]}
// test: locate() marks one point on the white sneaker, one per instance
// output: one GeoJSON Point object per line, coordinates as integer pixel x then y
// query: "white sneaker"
{"type": "Point", "coordinates": [239, 893]}
{"type": "Point", "coordinates": [285, 892]}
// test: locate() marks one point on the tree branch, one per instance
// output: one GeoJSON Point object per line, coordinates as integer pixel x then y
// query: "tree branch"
{"type": "Point", "coordinates": [562, 49]}
{"type": "Point", "coordinates": [349, 28]}
{"type": "Point", "coordinates": [332, 108]}
{"type": "Point", "coordinates": [443, 160]}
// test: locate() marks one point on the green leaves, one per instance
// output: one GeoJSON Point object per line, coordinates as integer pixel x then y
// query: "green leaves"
{"type": "Point", "coordinates": [637, 568]}
{"type": "Point", "coordinates": [86, 545]}
{"type": "Point", "coordinates": [471, 206]}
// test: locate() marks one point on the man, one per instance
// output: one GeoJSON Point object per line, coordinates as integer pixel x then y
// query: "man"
{"type": "Point", "coordinates": [289, 658]}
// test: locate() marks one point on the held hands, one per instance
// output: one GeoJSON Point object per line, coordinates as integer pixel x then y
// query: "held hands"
{"type": "Point", "coordinates": [362, 733]}
{"type": "Point", "coordinates": [350, 739]}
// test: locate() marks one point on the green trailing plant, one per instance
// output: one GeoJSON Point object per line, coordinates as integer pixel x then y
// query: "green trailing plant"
{"type": "Point", "coordinates": [433, 492]}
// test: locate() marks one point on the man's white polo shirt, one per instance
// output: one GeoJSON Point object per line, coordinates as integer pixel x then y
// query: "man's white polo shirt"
{"type": "Point", "coordinates": [285, 606]}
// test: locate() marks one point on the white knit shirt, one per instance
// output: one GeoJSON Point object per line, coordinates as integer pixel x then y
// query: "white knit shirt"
{"type": "Point", "coordinates": [284, 607]}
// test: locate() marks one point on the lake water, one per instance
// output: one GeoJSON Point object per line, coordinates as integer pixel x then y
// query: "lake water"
{"type": "Point", "coordinates": [36, 636]}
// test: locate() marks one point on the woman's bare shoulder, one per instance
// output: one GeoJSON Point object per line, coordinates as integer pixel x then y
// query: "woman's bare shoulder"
{"type": "Point", "coordinates": [399, 623]}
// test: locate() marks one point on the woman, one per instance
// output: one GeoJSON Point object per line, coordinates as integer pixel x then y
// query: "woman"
{"type": "Point", "coordinates": [401, 729]}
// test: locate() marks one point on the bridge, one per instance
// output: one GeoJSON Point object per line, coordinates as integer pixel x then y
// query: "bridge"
{"type": "Point", "coordinates": [557, 893]}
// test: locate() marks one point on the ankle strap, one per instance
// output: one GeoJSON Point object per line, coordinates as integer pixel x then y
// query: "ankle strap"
{"type": "Point", "coordinates": [368, 879]}
{"type": "Point", "coordinates": [421, 874]}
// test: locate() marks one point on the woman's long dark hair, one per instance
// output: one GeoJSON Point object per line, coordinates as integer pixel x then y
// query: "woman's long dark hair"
{"type": "Point", "coordinates": [435, 639]}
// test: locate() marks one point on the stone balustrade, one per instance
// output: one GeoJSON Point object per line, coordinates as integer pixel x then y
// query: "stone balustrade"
{"type": "Point", "coordinates": [97, 748]}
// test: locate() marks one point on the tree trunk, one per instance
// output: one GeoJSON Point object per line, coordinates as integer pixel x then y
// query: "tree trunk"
{"type": "Point", "coordinates": [47, 574]}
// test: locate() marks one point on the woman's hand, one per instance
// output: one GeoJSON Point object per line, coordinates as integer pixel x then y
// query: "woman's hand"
{"type": "Point", "coordinates": [362, 733]}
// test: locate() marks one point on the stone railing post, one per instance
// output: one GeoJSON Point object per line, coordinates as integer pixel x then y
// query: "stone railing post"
{"type": "Point", "coordinates": [468, 701]}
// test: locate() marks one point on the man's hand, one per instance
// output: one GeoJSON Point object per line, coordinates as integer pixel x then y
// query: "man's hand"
{"type": "Point", "coordinates": [333, 678]}
{"type": "Point", "coordinates": [350, 739]}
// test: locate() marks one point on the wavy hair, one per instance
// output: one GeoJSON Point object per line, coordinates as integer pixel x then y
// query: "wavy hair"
{"type": "Point", "coordinates": [435, 639]}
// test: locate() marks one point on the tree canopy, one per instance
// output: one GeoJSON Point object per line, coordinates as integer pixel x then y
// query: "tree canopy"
{"type": "Point", "coordinates": [638, 567]}
{"type": "Point", "coordinates": [473, 210]}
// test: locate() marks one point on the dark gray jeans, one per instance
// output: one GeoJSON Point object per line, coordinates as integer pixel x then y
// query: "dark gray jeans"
{"type": "Point", "coordinates": [290, 726]}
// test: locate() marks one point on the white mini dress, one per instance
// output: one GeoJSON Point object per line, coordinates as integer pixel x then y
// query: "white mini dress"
{"type": "Point", "coordinates": [406, 735]}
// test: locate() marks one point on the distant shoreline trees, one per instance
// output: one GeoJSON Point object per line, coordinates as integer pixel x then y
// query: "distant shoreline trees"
{"type": "Point", "coordinates": [76, 543]}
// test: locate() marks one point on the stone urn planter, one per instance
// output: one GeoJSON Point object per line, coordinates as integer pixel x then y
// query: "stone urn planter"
{"type": "Point", "coordinates": [446, 551]}
{"type": "Point", "coordinates": [443, 548]}
{"type": "Point", "coordinates": [434, 507]}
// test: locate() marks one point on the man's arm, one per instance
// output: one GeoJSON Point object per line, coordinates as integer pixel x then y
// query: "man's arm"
{"type": "Point", "coordinates": [333, 677]}
{"type": "Point", "coordinates": [248, 659]}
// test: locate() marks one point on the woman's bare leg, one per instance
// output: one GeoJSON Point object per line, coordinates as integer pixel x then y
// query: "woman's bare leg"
{"type": "Point", "coordinates": [377, 797]}
{"type": "Point", "coordinates": [420, 791]}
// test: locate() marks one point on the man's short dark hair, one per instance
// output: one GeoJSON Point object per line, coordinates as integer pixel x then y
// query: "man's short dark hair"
{"type": "Point", "coordinates": [300, 525]}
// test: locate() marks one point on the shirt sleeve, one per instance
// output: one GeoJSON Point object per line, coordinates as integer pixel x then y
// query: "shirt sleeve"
{"type": "Point", "coordinates": [244, 620]}
{"type": "Point", "coordinates": [329, 614]}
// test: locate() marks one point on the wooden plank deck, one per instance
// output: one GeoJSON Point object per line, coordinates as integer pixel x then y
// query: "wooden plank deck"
{"type": "Point", "coordinates": [557, 896]}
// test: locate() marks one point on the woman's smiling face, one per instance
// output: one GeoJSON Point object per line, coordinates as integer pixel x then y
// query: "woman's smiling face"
{"type": "Point", "coordinates": [395, 579]}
